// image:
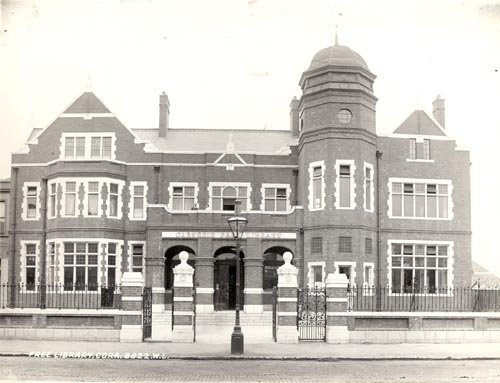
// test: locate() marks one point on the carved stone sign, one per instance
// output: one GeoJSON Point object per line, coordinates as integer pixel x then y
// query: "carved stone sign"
{"type": "Point", "coordinates": [225, 235]}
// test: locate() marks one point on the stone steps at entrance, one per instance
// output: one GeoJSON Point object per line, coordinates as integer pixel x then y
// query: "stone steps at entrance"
{"type": "Point", "coordinates": [218, 326]}
{"type": "Point", "coordinates": [228, 317]}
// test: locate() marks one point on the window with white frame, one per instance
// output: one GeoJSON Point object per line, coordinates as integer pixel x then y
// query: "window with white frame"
{"type": "Point", "coordinates": [88, 146]}
{"type": "Point", "coordinates": [276, 197]}
{"type": "Point", "coordinates": [413, 148]}
{"type": "Point", "coordinates": [111, 264]}
{"type": "Point", "coordinates": [30, 265]}
{"type": "Point", "coordinates": [223, 197]}
{"type": "Point", "coordinates": [316, 274]}
{"type": "Point", "coordinates": [420, 199]}
{"type": "Point", "coordinates": [427, 149]}
{"type": "Point", "coordinates": [100, 147]}
{"type": "Point", "coordinates": [369, 189]}
{"type": "Point", "coordinates": [51, 264]}
{"type": "Point", "coordinates": [81, 265]}
{"type": "Point", "coordinates": [316, 185]}
{"type": "Point", "coordinates": [70, 198]}
{"type": "Point", "coordinates": [113, 199]}
{"type": "Point", "coordinates": [183, 196]}
{"type": "Point", "coordinates": [32, 197]}
{"type": "Point", "coordinates": [137, 257]}
{"type": "Point", "coordinates": [52, 199]}
{"type": "Point", "coordinates": [74, 147]}
{"type": "Point", "coordinates": [420, 267]}
{"type": "Point", "coordinates": [138, 203]}
{"type": "Point", "coordinates": [344, 184]}
{"type": "Point", "coordinates": [368, 274]}
{"type": "Point", "coordinates": [3, 222]}
{"type": "Point", "coordinates": [31, 201]}
{"type": "Point", "coordinates": [93, 193]}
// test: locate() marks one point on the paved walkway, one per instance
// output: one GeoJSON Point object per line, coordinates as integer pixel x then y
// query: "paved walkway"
{"type": "Point", "coordinates": [303, 350]}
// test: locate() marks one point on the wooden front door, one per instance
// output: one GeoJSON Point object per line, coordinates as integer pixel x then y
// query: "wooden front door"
{"type": "Point", "coordinates": [225, 284]}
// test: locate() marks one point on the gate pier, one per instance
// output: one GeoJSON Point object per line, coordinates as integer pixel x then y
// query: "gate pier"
{"type": "Point", "coordinates": [287, 302]}
{"type": "Point", "coordinates": [336, 303]}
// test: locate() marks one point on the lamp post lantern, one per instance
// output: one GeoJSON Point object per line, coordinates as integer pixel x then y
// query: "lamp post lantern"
{"type": "Point", "coordinates": [237, 224]}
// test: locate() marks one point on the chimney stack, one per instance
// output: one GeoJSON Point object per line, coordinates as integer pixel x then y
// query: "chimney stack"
{"type": "Point", "coordinates": [438, 110]}
{"type": "Point", "coordinates": [164, 115]}
{"type": "Point", "coordinates": [294, 117]}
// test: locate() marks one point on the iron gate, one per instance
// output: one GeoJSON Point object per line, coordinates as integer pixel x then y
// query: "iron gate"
{"type": "Point", "coordinates": [147, 312]}
{"type": "Point", "coordinates": [311, 313]}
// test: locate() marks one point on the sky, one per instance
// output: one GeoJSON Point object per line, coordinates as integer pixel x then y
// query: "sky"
{"type": "Point", "coordinates": [235, 64]}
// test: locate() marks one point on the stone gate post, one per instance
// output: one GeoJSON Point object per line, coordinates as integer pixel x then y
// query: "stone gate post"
{"type": "Point", "coordinates": [287, 302]}
{"type": "Point", "coordinates": [336, 308]}
{"type": "Point", "coordinates": [132, 286]}
{"type": "Point", "coordinates": [183, 313]}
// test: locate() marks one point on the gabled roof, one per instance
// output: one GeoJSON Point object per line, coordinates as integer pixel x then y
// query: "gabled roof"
{"type": "Point", "coordinates": [87, 103]}
{"type": "Point", "coordinates": [484, 277]}
{"type": "Point", "coordinates": [420, 123]}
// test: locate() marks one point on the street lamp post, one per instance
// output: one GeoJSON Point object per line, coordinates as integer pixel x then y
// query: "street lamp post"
{"type": "Point", "coordinates": [237, 224]}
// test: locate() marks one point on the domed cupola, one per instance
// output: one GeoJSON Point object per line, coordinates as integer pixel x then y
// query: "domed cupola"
{"type": "Point", "coordinates": [337, 91]}
{"type": "Point", "coordinates": [338, 55]}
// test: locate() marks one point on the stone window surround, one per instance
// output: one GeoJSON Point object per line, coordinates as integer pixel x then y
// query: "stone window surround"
{"type": "Point", "coordinates": [171, 186]}
{"type": "Point", "coordinates": [23, 262]}
{"type": "Point", "coordinates": [130, 256]}
{"type": "Point", "coordinates": [24, 208]}
{"type": "Point", "coordinates": [451, 258]}
{"type": "Point", "coordinates": [313, 165]}
{"type": "Point", "coordinates": [265, 186]}
{"type": "Point", "coordinates": [372, 188]}
{"type": "Point", "coordinates": [88, 140]}
{"type": "Point", "coordinates": [131, 200]}
{"type": "Point", "coordinates": [352, 166]}
{"type": "Point", "coordinates": [310, 273]}
{"type": "Point", "coordinates": [248, 185]}
{"type": "Point", "coordinates": [426, 181]}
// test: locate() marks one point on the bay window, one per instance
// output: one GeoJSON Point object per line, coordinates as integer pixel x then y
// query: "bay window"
{"type": "Point", "coordinates": [80, 266]}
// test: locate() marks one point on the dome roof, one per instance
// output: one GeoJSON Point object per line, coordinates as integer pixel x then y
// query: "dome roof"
{"type": "Point", "coordinates": [337, 55]}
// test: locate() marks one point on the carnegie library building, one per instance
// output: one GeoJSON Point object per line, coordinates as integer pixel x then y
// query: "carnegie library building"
{"type": "Point", "coordinates": [91, 199]}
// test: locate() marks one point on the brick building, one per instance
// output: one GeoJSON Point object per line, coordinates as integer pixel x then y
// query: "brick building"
{"type": "Point", "coordinates": [91, 198]}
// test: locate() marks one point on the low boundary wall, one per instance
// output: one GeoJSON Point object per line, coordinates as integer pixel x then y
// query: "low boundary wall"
{"type": "Point", "coordinates": [59, 324]}
{"type": "Point", "coordinates": [421, 327]}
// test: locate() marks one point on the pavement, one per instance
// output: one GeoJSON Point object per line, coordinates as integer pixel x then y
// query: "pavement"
{"type": "Point", "coordinates": [264, 351]}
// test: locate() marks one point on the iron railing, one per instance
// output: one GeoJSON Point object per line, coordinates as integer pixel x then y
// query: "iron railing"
{"type": "Point", "coordinates": [60, 296]}
{"type": "Point", "coordinates": [381, 298]}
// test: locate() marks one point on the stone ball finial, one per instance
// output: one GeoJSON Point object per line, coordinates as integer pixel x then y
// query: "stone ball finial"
{"type": "Point", "coordinates": [183, 256]}
{"type": "Point", "coordinates": [287, 257]}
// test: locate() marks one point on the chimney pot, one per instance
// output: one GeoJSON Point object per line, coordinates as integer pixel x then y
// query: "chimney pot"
{"type": "Point", "coordinates": [438, 110]}
{"type": "Point", "coordinates": [164, 114]}
{"type": "Point", "coordinates": [294, 117]}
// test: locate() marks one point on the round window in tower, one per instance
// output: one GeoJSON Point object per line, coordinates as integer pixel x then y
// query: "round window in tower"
{"type": "Point", "coordinates": [344, 116]}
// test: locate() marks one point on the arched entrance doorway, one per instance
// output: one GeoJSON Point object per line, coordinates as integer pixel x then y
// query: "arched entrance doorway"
{"type": "Point", "coordinates": [225, 279]}
{"type": "Point", "coordinates": [172, 260]}
{"type": "Point", "coordinates": [273, 259]}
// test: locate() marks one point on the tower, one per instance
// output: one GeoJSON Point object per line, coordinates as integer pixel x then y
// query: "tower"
{"type": "Point", "coordinates": [337, 160]}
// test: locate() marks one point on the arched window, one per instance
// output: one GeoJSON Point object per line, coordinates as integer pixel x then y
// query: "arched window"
{"type": "Point", "coordinates": [273, 259]}
{"type": "Point", "coordinates": [172, 260]}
